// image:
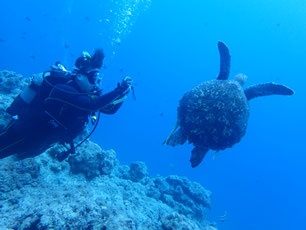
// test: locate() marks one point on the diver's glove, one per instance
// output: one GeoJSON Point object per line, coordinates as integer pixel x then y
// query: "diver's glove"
{"type": "Point", "coordinates": [126, 85]}
{"type": "Point", "coordinates": [62, 155]}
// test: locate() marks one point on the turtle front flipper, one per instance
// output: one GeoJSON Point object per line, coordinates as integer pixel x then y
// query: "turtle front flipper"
{"type": "Point", "coordinates": [266, 89]}
{"type": "Point", "coordinates": [175, 137]}
{"type": "Point", "coordinates": [197, 155]}
{"type": "Point", "coordinates": [225, 61]}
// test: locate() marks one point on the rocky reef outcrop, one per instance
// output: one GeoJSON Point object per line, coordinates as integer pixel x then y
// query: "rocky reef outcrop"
{"type": "Point", "coordinates": [11, 84]}
{"type": "Point", "coordinates": [92, 190]}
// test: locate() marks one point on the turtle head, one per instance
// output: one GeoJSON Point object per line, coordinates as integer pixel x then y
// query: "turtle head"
{"type": "Point", "coordinates": [241, 78]}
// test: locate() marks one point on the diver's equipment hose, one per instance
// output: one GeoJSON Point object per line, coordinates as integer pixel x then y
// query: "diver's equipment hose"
{"type": "Point", "coordinates": [63, 155]}
{"type": "Point", "coordinates": [91, 132]}
{"type": "Point", "coordinates": [133, 93]}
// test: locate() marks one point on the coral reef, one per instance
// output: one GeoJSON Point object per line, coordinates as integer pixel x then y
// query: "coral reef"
{"type": "Point", "coordinates": [92, 190]}
{"type": "Point", "coordinates": [11, 84]}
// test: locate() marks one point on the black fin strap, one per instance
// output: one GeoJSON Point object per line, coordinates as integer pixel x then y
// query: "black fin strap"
{"type": "Point", "coordinates": [63, 155]}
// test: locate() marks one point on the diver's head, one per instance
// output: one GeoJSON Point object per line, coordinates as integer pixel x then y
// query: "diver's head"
{"type": "Point", "coordinates": [87, 70]}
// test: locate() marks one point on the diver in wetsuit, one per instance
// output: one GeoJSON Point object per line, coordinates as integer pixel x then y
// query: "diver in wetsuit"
{"type": "Point", "coordinates": [55, 108]}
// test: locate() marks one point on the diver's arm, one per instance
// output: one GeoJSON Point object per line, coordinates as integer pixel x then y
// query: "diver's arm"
{"type": "Point", "coordinates": [124, 87]}
{"type": "Point", "coordinates": [107, 103]}
{"type": "Point", "coordinates": [111, 109]}
{"type": "Point", "coordinates": [115, 99]}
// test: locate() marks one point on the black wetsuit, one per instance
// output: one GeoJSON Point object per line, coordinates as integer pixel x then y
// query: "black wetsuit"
{"type": "Point", "coordinates": [59, 113]}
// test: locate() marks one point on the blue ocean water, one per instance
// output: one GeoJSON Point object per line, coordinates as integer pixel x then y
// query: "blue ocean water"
{"type": "Point", "coordinates": [168, 47]}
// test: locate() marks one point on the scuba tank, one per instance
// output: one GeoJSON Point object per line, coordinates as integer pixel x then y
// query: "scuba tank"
{"type": "Point", "coordinates": [21, 105]}
{"type": "Point", "coordinates": [30, 92]}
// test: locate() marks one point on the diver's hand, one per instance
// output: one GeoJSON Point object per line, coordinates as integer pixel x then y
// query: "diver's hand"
{"type": "Point", "coordinates": [126, 84]}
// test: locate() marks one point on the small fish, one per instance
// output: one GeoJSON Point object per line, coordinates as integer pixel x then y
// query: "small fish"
{"type": "Point", "coordinates": [23, 36]}
{"type": "Point", "coordinates": [66, 46]}
{"type": "Point", "coordinates": [28, 18]}
{"type": "Point", "coordinates": [33, 57]}
{"type": "Point", "coordinates": [223, 217]}
{"type": "Point", "coordinates": [2, 40]}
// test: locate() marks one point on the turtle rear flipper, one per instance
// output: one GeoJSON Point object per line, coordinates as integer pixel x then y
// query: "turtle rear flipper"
{"type": "Point", "coordinates": [266, 89]}
{"type": "Point", "coordinates": [197, 155]}
{"type": "Point", "coordinates": [176, 138]}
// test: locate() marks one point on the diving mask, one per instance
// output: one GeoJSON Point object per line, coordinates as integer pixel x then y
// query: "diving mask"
{"type": "Point", "coordinates": [94, 77]}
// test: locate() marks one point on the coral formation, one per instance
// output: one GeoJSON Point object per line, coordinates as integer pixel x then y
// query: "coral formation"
{"type": "Point", "coordinates": [42, 193]}
{"type": "Point", "coordinates": [11, 84]}
{"type": "Point", "coordinates": [92, 190]}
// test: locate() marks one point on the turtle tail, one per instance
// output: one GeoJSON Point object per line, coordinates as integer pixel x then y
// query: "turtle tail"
{"type": "Point", "coordinates": [225, 61]}
{"type": "Point", "coordinates": [266, 89]}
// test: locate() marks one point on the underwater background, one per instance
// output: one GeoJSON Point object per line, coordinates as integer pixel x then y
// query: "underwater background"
{"type": "Point", "coordinates": [168, 47]}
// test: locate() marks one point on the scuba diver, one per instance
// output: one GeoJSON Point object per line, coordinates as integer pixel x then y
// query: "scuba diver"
{"type": "Point", "coordinates": [55, 108]}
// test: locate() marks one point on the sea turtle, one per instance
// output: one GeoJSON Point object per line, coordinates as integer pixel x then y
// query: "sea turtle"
{"type": "Point", "coordinates": [214, 115]}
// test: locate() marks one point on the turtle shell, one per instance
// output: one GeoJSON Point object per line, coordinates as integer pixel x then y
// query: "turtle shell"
{"type": "Point", "coordinates": [214, 114]}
